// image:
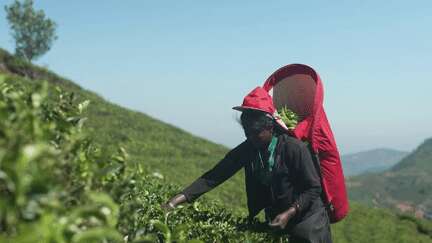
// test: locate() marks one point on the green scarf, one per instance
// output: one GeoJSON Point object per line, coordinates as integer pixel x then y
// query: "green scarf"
{"type": "Point", "coordinates": [263, 169]}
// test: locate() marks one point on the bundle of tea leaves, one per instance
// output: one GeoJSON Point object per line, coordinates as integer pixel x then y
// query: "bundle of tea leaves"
{"type": "Point", "coordinates": [289, 117]}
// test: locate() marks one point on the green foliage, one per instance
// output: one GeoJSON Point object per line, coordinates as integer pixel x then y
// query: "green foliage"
{"type": "Point", "coordinates": [141, 216]}
{"type": "Point", "coordinates": [33, 32]}
{"type": "Point", "coordinates": [47, 169]}
{"type": "Point", "coordinates": [57, 187]}
{"type": "Point", "coordinates": [180, 156]}
{"type": "Point", "coordinates": [289, 117]}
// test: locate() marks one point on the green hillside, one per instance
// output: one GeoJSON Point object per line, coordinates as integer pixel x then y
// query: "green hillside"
{"type": "Point", "coordinates": [63, 180]}
{"type": "Point", "coordinates": [178, 155]}
{"type": "Point", "coordinates": [406, 186]}
{"type": "Point", "coordinates": [420, 160]}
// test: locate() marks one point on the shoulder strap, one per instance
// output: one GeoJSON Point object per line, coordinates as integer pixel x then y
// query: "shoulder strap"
{"type": "Point", "coordinates": [315, 158]}
{"type": "Point", "coordinates": [316, 161]}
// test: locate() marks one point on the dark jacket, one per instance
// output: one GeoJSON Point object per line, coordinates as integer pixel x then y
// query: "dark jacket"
{"type": "Point", "coordinates": [294, 179]}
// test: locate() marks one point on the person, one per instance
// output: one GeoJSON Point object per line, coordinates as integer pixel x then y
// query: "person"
{"type": "Point", "coordinates": [280, 175]}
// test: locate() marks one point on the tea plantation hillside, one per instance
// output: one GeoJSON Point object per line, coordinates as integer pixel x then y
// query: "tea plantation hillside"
{"type": "Point", "coordinates": [176, 154]}
{"type": "Point", "coordinates": [56, 185]}
{"type": "Point", "coordinates": [60, 183]}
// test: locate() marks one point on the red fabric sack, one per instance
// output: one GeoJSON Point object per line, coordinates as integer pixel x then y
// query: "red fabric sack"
{"type": "Point", "coordinates": [299, 88]}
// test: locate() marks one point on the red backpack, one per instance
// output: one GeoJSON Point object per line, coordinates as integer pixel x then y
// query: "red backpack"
{"type": "Point", "coordinates": [299, 88]}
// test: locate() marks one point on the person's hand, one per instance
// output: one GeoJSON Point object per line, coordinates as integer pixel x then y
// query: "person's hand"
{"type": "Point", "coordinates": [173, 202]}
{"type": "Point", "coordinates": [281, 220]}
{"type": "Point", "coordinates": [168, 206]}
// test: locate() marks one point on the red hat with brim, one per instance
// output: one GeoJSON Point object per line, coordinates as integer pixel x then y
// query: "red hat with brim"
{"type": "Point", "coordinates": [260, 100]}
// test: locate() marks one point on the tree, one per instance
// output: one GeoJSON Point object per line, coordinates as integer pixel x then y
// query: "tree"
{"type": "Point", "coordinates": [33, 32]}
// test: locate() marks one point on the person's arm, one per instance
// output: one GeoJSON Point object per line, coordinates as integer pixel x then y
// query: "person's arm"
{"type": "Point", "coordinates": [223, 170]}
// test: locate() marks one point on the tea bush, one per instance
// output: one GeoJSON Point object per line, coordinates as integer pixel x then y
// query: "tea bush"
{"type": "Point", "coordinates": [56, 185]}
{"type": "Point", "coordinates": [49, 191]}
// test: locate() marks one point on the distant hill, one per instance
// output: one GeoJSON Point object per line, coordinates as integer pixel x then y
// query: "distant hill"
{"type": "Point", "coordinates": [406, 186]}
{"type": "Point", "coordinates": [375, 160]}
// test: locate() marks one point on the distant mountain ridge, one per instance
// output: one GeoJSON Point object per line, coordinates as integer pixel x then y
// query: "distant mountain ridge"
{"type": "Point", "coordinates": [406, 186]}
{"type": "Point", "coordinates": [375, 160]}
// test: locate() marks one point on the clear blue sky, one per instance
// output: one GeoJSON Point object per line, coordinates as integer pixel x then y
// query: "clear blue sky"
{"type": "Point", "coordinates": [188, 62]}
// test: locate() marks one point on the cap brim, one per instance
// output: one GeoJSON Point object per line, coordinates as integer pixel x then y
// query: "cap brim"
{"type": "Point", "coordinates": [244, 108]}
{"type": "Point", "coordinates": [278, 120]}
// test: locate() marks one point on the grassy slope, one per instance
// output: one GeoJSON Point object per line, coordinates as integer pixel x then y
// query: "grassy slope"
{"type": "Point", "coordinates": [409, 181]}
{"type": "Point", "coordinates": [180, 156]}
{"type": "Point", "coordinates": [370, 225]}
{"type": "Point", "coordinates": [164, 148]}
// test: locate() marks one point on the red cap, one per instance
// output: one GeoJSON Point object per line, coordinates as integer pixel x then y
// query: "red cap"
{"type": "Point", "coordinates": [257, 99]}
